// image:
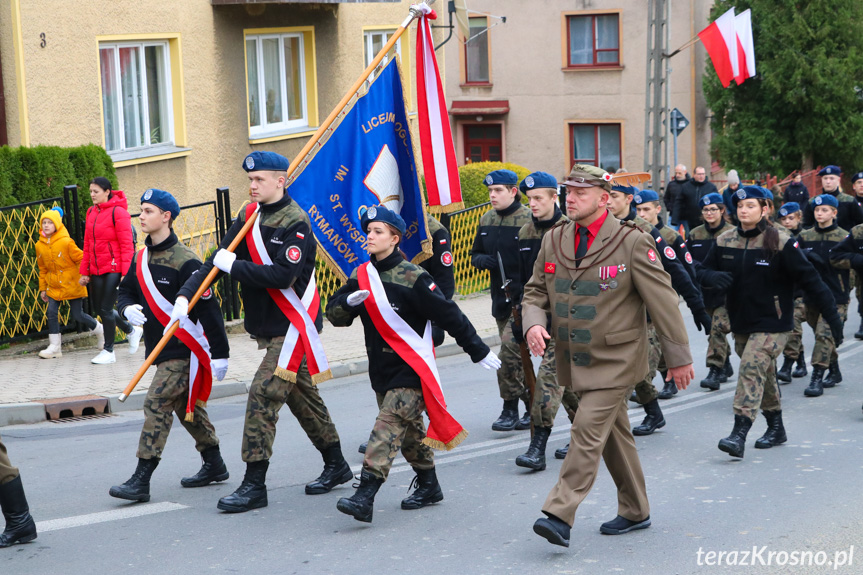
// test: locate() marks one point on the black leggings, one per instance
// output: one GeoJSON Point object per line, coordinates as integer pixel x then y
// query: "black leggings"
{"type": "Point", "coordinates": [103, 290]}
{"type": "Point", "coordinates": [77, 315]}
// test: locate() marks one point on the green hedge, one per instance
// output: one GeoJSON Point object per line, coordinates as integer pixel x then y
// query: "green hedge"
{"type": "Point", "coordinates": [473, 190]}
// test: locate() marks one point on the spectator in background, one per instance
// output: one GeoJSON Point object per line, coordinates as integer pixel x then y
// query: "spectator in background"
{"type": "Point", "coordinates": [727, 192]}
{"type": "Point", "coordinates": [687, 210]}
{"type": "Point", "coordinates": [797, 192]}
{"type": "Point", "coordinates": [672, 190]}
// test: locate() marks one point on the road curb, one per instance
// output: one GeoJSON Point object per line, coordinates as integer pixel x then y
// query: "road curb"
{"type": "Point", "coordinates": [15, 413]}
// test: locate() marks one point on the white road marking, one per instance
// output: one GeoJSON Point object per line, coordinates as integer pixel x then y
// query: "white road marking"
{"type": "Point", "coordinates": [104, 516]}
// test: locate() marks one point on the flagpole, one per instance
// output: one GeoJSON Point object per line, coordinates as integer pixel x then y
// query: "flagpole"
{"type": "Point", "coordinates": [685, 46]}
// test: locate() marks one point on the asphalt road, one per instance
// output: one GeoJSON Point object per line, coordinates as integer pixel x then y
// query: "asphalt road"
{"type": "Point", "coordinates": [801, 497]}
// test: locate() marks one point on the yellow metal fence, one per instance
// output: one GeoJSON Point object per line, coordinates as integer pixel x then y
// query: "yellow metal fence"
{"type": "Point", "coordinates": [462, 227]}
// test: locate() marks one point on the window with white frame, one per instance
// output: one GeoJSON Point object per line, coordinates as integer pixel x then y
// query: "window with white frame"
{"type": "Point", "coordinates": [275, 68]}
{"type": "Point", "coordinates": [137, 103]}
{"type": "Point", "coordinates": [375, 40]}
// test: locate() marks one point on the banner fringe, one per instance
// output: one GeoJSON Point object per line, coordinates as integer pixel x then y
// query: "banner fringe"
{"type": "Point", "coordinates": [322, 377]}
{"type": "Point", "coordinates": [450, 445]}
{"type": "Point", "coordinates": [447, 209]}
{"type": "Point", "coordinates": [285, 374]}
{"type": "Point", "coordinates": [190, 417]}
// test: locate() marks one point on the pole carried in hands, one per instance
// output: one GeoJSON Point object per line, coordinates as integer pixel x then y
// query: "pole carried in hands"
{"type": "Point", "coordinates": [415, 12]}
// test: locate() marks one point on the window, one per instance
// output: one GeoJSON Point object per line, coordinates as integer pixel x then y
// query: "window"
{"type": "Point", "coordinates": [476, 52]}
{"type": "Point", "coordinates": [374, 41]}
{"type": "Point", "coordinates": [137, 99]}
{"type": "Point", "coordinates": [483, 143]}
{"type": "Point", "coordinates": [593, 40]}
{"type": "Point", "coordinates": [595, 144]}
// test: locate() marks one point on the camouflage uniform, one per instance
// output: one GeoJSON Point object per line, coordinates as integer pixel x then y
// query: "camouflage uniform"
{"type": "Point", "coordinates": [169, 393]}
{"type": "Point", "coordinates": [718, 349]}
{"type": "Point", "coordinates": [399, 425]}
{"type": "Point", "coordinates": [794, 347]}
{"type": "Point", "coordinates": [645, 392]}
{"type": "Point", "coordinates": [757, 387]}
{"type": "Point", "coordinates": [824, 352]}
{"type": "Point", "coordinates": [548, 394]}
{"type": "Point", "coordinates": [7, 472]}
{"type": "Point", "coordinates": [510, 376]}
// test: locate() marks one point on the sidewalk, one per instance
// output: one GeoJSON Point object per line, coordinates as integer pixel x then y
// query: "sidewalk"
{"type": "Point", "coordinates": [28, 378]}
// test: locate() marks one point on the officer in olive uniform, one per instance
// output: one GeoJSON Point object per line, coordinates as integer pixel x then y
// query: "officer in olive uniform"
{"type": "Point", "coordinates": [817, 244]}
{"type": "Point", "coordinates": [849, 212]}
{"type": "Point", "coordinates": [497, 237]}
{"type": "Point", "coordinates": [790, 217]}
{"type": "Point", "coordinates": [170, 264]}
{"type": "Point", "coordinates": [287, 234]}
{"type": "Point", "coordinates": [20, 527]}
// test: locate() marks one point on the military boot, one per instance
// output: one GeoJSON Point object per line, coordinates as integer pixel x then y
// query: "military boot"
{"type": "Point", "coordinates": [800, 370]}
{"type": "Point", "coordinates": [20, 527]}
{"type": "Point", "coordinates": [652, 421]}
{"type": "Point", "coordinates": [859, 334]}
{"type": "Point", "coordinates": [669, 390]}
{"type": "Point", "coordinates": [336, 471]}
{"type": "Point", "coordinates": [252, 492]}
{"type": "Point", "coordinates": [833, 376]}
{"type": "Point", "coordinates": [775, 434]}
{"type": "Point", "coordinates": [783, 374]}
{"type": "Point", "coordinates": [727, 371]}
{"type": "Point", "coordinates": [535, 456]}
{"type": "Point", "coordinates": [508, 417]}
{"type": "Point", "coordinates": [361, 504]}
{"type": "Point", "coordinates": [816, 383]}
{"type": "Point", "coordinates": [137, 488]}
{"type": "Point", "coordinates": [427, 491]}
{"type": "Point", "coordinates": [560, 453]}
{"type": "Point", "coordinates": [735, 443]}
{"type": "Point", "coordinates": [363, 446]}
{"type": "Point", "coordinates": [713, 379]}
{"type": "Point", "coordinates": [213, 469]}
{"type": "Point", "coordinates": [524, 422]}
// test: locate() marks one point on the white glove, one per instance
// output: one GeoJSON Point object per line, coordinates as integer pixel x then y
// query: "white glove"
{"type": "Point", "coordinates": [357, 297]}
{"type": "Point", "coordinates": [224, 260]}
{"type": "Point", "coordinates": [134, 314]}
{"type": "Point", "coordinates": [180, 312]}
{"type": "Point", "coordinates": [220, 368]}
{"type": "Point", "coordinates": [491, 361]}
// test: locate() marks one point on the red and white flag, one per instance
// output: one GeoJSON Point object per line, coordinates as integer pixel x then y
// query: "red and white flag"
{"type": "Point", "coordinates": [436, 143]}
{"type": "Point", "coordinates": [745, 46]}
{"type": "Point", "coordinates": [720, 40]}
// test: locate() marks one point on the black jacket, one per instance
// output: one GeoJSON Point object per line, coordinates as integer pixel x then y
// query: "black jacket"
{"type": "Point", "coordinates": [686, 206]}
{"type": "Point", "coordinates": [850, 213]}
{"type": "Point", "coordinates": [817, 244]}
{"type": "Point", "coordinates": [529, 241]}
{"type": "Point", "coordinates": [439, 265]}
{"type": "Point", "coordinates": [699, 242]}
{"type": "Point", "coordinates": [796, 193]}
{"type": "Point", "coordinates": [171, 265]}
{"type": "Point", "coordinates": [672, 190]}
{"type": "Point", "coordinates": [413, 295]}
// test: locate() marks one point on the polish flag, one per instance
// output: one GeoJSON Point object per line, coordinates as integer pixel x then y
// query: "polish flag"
{"type": "Point", "coordinates": [745, 47]}
{"type": "Point", "coordinates": [720, 40]}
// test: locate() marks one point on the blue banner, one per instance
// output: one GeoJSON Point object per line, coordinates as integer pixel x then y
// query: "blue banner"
{"type": "Point", "coordinates": [367, 161]}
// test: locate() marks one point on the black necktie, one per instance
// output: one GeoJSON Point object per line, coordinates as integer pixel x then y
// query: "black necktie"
{"type": "Point", "coordinates": [581, 250]}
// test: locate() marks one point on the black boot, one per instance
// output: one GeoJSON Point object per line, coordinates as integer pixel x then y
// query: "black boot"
{"type": "Point", "coordinates": [833, 376]}
{"type": "Point", "coordinates": [669, 390]}
{"type": "Point", "coordinates": [735, 443]}
{"type": "Point", "coordinates": [20, 527]}
{"type": "Point", "coordinates": [508, 417]}
{"type": "Point", "coordinates": [561, 452]}
{"type": "Point", "coordinates": [534, 458]}
{"type": "Point", "coordinates": [252, 492]}
{"type": "Point", "coordinates": [816, 384]}
{"type": "Point", "coordinates": [775, 434]}
{"type": "Point", "coordinates": [859, 334]}
{"type": "Point", "coordinates": [553, 529]}
{"type": "Point", "coordinates": [727, 371]}
{"type": "Point", "coordinates": [652, 421]}
{"type": "Point", "coordinates": [362, 447]}
{"type": "Point", "coordinates": [713, 379]}
{"type": "Point", "coordinates": [213, 470]}
{"type": "Point", "coordinates": [336, 471]}
{"type": "Point", "coordinates": [138, 486]}
{"type": "Point", "coordinates": [783, 374]}
{"type": "Point", "coordinates": [427, 491]}
{"type": "Point", "coordinates": [361, 504]}
{"type": "Point", "coordinates": [800, 370]}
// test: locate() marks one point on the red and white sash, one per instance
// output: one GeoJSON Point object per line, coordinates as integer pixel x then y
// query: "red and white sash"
{"type": "Point", "coordinates": [444, 432]}
{"type": "Point", "coordinates": [189, 332]}
{"type": "Point", "coordinates": [302, 339]}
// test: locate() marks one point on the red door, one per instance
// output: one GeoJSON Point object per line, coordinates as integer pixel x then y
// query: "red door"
{"type": "Point", "coordinates": [482, 143]}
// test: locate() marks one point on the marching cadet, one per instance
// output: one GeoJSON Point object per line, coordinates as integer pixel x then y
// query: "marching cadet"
{"type": "Point", "coordinates": [817, 244]}
{"type": "Point", "coordinates": [857, 185]}
{"type": "Point", "coordinates": [759, 266]}
{"type": "Point", "coordinates": [790, 216]}
{"type": "Point", "coordinates": [396, 301]}
{"type": "Point", "coordinates": [541, 191]}
{"type": "Point", "coordinates": [699, 241]}
{"type": "Point", "coordinates": [277, 257]}
{"type": "Point", "coordinates": [20, 527]}
{"type": "Point", "coordinates": [600, 345]}
{"type": "Point", "coordinates": [497, 241]}
{"type": "Point", "coordinates": [849, 212]}
{"type": "Point", "coordinates": [183, 368]}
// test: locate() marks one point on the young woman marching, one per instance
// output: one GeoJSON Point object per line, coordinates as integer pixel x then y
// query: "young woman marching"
{"type": "Point", "coordinates": [790, 217]}
{"type": "Point", "coordinates": [396, 301]}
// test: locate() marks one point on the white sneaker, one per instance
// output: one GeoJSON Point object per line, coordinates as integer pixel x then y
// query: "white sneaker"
{"type": "Point", "coordinates": [104, 357]}
{"type": "Point", "coordinates": [135, 338]}
{"type": "Point", "coordinates": [99, 332]}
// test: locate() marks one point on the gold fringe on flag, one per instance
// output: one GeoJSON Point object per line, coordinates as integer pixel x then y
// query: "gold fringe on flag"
{"type": "Point", "coordinates": [440, 445]}
{"type": "Point", "coordinates": [322, 377]}
{"type": "Point", "coordinates": [447, 209]}
{"type": "Point", "coordinates": [285, 374]}
{"type": "Point", "coordinates": [200, 403]}
{"type": "Point", "coordinates": [190, 417]}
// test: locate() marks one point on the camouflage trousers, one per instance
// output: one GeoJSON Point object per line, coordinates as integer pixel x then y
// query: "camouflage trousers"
{"type": "Point", "coordinates": [645, 392]}
{"type": "Point", "coordinates": [548, 395]}
{"type": "Point", "coordinates": [824, 351]}
{"type": "Point", "coordinates": [7, 472]}
{"type": "Point", "coordinates": [857, 284]}
{"type": "Point", "coordinates": [718, 349]}
{"type": "Point", "coordinates": [399, 425]}
{"type": "Point", "coordinates": [756, 379]}
{"type": "Point", "coordinates": [794, 347]}
{"type": "Point", "coordinates": [510, 376]}
{"type": "Point", "coordinates": [169, 394]}
{"type": "Point", "coordinates": [269, 393]}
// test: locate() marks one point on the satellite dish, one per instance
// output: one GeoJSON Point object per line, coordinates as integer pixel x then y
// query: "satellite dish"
{"type": "Point", "coordinates": [461, 18]}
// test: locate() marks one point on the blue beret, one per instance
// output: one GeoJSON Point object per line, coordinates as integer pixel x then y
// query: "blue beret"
{"type": "Point", "coordinates": [265, 161]}
{"type": "Point", "coordinates": [382, 214]}
{"type": "Point", "coordinates": [645, 196]}
{"type": "Point", "coordinates": [830, 171]}
{"type": "Point", "coordinates": [712, 198]}
{"type": "Point", "coordinates": [162, 200]}
{"type": "Point", "coordinates": [629, 190]}
{"type": "Point", "coordinates": [537, 180]}
{"type": "Point", "coordinates": [825, 200]}
{"type": "Point", "coordinates": [503, 178]}
{"type": "Point", "coordinates": [789, 208]}
{"type": "Point", "coordinates": [751, 193]}
{"type": "Point", "coordinates": [857, 176]}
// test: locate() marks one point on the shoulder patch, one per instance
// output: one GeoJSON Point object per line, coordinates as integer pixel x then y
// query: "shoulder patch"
{"type": "Point", "coordinates": [446, 258]}
{"type": "Point", "coordinates": [294, 254]}
{"type": "Point", "coordinates": [688, 257]}
{"type": "Point", "coordinates": [207, 294]}
{"type": "Point", "coordinates": [651, 255]}
{"type": "Point", "coordinates": [669, 253]}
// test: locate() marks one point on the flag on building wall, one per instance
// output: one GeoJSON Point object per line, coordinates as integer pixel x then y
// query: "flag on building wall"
{"type": "Point", "coordinates": [720, 40]}
{"type": "Point", "coordinates": [745, 47]}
